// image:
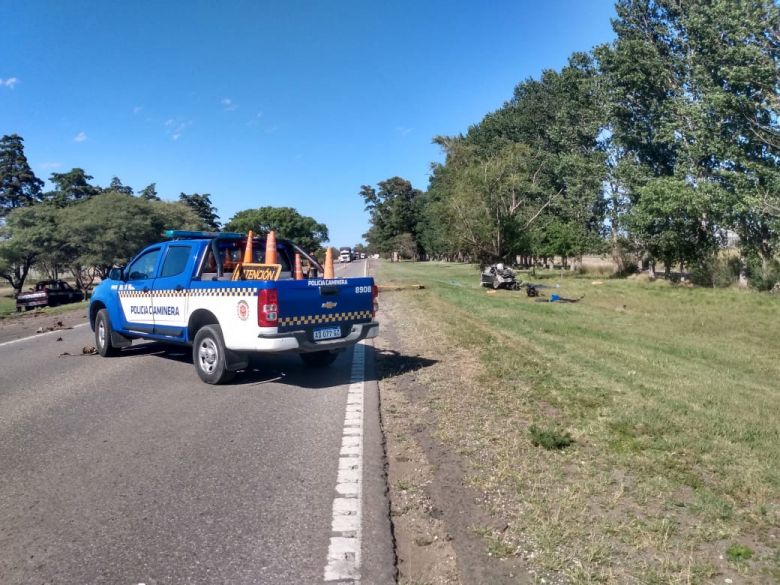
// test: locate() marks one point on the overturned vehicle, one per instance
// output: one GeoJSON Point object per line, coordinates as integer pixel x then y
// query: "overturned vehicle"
{"type": "Point", "coordinates": [499, 276]}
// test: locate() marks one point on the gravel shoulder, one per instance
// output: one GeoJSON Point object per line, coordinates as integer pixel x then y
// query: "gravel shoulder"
{"type": "Point", "coordinates": [445, 534]}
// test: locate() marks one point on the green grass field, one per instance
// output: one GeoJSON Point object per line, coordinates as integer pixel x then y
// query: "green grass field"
{"type": "Point", "coordinates": [672, 397]}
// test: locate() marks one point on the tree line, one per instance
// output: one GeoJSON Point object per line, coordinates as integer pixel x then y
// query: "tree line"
{"type": "Point", "coordinates": [82, 230]}
{"type": "Point", "coordinates": [656, 148]}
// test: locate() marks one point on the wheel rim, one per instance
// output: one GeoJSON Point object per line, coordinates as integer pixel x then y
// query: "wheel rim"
{"type": "Point", "coordinates": [207, 355]}
{"type": "Point", "coordinates": [101, 333]}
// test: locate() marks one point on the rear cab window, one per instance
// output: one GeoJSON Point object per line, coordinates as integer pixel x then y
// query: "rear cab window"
{"type": "Point", "coordinates": [176, 259]}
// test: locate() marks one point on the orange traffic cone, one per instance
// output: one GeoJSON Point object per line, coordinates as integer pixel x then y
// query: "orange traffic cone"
{"type": "Point", "coordinates": [328, 263]}
{"type": "Point", "coordinates": [248, 259]}
{"type": "Point", "coordinates": [270, 248]}
{"type": "Point", "coordinates": [298, 267]}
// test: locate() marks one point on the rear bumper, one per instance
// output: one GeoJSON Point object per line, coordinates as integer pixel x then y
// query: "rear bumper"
{"type": "Point", "coordinates": [21, 303]}
{"type": "Point", "coordinates": [298, 341]}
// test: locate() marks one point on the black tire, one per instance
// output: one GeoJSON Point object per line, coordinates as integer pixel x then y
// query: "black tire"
{"type": "Point", "coordinates": [103, 335]}
{"type": "Point", "coordinates": [319, 359]}
{"type": "Point", "coordinates": [209, 355]}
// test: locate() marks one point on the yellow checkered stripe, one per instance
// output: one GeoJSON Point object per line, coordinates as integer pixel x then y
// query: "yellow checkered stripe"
{"type": "Point", "coordinates": [195, 292]}
{"type": "Point", "coordinates": [317, 319]}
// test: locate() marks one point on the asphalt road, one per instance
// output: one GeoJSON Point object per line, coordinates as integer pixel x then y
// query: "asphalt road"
{"type": "Point", "coordinates": [130, 470]}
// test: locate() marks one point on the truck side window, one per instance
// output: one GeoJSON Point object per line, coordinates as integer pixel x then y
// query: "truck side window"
{"type": "Point", "coordinates": [143, 268]}
{"type": "Point", "coordinates": [175, 260]}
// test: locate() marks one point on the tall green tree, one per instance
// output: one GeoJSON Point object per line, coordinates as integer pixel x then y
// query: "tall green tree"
{"type": "Point", "coordinates": [118, 187]}
{"type": "Point", "coordinates": [394, 210]}
{"type": "Point", "coordinates": [305, 231]}
{"type": "Point", "coordinates": [19, 187]}
{"type": "Point", "coordinates": [71, 187]}
{"type": "Point", "coordinates": [149, 193]}
{"type": "Point", "coordinates": [202, 206]}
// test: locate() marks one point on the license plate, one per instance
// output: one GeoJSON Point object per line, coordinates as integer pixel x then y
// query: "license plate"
{"type": "Point", "coordinates": [327, 333]}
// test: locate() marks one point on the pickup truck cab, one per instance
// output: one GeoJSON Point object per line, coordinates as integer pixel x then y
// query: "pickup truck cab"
{"type": "Point", "coordinates": [184, 291]}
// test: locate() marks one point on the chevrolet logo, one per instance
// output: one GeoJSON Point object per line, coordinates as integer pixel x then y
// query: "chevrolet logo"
{"type": "Point", "coordinates": [329, 305]}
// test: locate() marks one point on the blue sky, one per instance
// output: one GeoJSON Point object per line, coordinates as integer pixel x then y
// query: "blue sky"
{"type": "Point", "coordinates": [270, 103]}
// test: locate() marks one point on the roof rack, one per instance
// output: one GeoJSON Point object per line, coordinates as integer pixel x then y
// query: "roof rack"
{"type": "Point", "coordinates": [195, 235]}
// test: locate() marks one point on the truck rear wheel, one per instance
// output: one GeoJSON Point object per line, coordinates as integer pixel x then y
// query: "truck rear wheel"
{"type": "Point", "coordinates": [209, 355]}
{"type": "Point", "coordinates": [319, 359]}
{"type": "Point", "coordinates": [103, 335]}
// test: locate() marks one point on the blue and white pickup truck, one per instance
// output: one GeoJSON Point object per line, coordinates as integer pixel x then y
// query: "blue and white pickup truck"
{"type": "Point", "coordinates": [183, 291]}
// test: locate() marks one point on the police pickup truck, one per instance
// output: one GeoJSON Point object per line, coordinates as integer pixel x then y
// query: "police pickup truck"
{"type": "Point", "coordinates": [191, 291]}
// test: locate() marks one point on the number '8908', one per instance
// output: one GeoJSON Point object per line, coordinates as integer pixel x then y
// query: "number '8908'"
{"type": "Point", "coordinates": [362, 290]}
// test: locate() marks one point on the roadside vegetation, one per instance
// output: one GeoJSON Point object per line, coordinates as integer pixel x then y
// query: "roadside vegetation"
{"type": "Point", "coordinates": [80, 230]}
{"type": "Point", "coordinates": [659, 148]}
{"type": "Point", "coordinates": [633, 437]}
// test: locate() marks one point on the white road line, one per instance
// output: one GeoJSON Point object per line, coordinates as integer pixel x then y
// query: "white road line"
{"type": "Point", "coordinates": [42, 334]}
{"type": "Point", "coordinates": [343, 562]}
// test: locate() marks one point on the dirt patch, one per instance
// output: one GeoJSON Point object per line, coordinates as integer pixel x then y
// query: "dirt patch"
{"type": "Point", "coordinates": [444, 531]}
{"type": "Point", "coordinates": [27, 324]}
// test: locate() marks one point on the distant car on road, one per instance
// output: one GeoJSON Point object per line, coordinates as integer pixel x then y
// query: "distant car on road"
{"type": "Point", "coordinates": [362, 255]}
{"type": "Point", "coordinates": [48, 293]}
{"type": "Point", "coordinates": [345, 254]}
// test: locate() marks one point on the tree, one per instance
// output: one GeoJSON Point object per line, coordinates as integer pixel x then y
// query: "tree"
{"type": "Point", "coordinates": [305, 231]}
{"type": "Point", "coordinates": [71, 187]}
{"type": "Point", "coordinates": [394, 210]}
{"type": "Point", "coordinates": [667, 220]}
{"type": "Point", "coordinates": [19, 187]}
{"type": "Point", "coordinates": [28, 232]}
{"type": "Point", "coordinates": [117, 187]}
{"type": "Point", "coordinates": [110, 228]}
{"type": "Point", "coordinates": [149, 193]}
{"type": "Point", "coordinates": [201, 205]}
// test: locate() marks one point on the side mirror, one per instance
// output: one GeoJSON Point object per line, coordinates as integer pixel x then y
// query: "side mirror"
{"type": "Point", "coordinates": [116, 273]}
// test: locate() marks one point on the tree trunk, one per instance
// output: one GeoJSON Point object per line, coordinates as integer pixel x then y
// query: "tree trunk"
{"type": "Point", "coordinates": [743, 281]}
{"type": "Point", "coordinates": [617, 252]}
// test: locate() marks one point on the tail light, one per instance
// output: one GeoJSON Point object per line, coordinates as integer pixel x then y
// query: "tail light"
{"type": "Point", "coordinates": [374, 298]}
{"type": "Point", "coordinates": [268, 307]}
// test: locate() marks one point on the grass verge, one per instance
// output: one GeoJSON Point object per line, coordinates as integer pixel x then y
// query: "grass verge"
{"type": "Point", "coordinates": [668, 394]}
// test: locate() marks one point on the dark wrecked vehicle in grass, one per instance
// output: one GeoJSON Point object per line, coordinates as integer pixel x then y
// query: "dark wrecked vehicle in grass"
{"type": "Point", "coordinates": [48, 293]}
{"type": "Point", "coordinates": [499, 276]}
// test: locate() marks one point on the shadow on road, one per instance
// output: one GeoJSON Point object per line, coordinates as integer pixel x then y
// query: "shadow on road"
{"type": "Point", "coordinates": [290, 370]}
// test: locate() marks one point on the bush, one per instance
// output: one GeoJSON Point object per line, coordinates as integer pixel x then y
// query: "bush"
{"type": "Point", "coordinates": [549, 438]}
{"type": "Point", "coordinates": [763, 278]}
{"type": "Point", "coordinates": [716, 271]}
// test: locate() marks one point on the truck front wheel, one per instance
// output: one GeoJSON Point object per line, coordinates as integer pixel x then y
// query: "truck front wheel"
{"type": "Point", "coordinates": [103, 335]}
{"type": "Point", "coordinates": [209, 355]}
{"type": "Point", "coordinates": [319, 359]}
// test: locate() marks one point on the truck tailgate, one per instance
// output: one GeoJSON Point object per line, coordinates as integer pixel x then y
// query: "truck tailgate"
{"type": "Point", "coordinates": [325, 309]}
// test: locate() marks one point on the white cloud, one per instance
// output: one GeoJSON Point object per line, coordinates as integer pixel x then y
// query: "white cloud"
{"type": "Point", "coordinates": [50, 165]}
{"type": "Point", "coordinates": [175, 128]}
{"type": "Point", "coordinates": [255, 121]}
{"type": "Point", "coordinates": [80, 137]}
{"type": "Point", "coordinates": [403, 130]}
{"type": "Point", "coordinates": [10, 82]}
{"type": "Point", "coordinates": [229, 105]}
